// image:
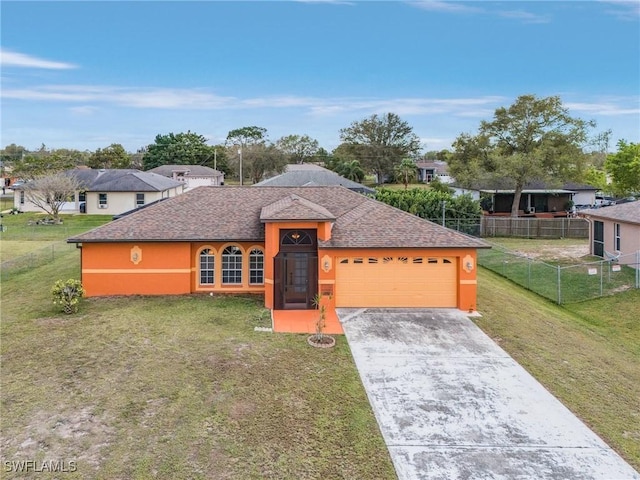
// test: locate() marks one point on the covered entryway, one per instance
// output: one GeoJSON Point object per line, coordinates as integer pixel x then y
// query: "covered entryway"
{"type": "Point", "coordinates": [388, 280]}
{"type": "Point", "coordinates": [296, 270]}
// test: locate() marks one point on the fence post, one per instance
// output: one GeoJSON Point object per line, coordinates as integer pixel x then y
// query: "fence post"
{"type": "Point", "coordinates": [559, 285]}
{"type": "Point", "coordinates": [601, 275]}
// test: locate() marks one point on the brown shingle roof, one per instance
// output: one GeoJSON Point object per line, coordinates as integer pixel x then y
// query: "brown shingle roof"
{"type": "Point", "coordinates": [233, 213]}
{"type": "Point", "coordinates": [625, 212]}
{"type": "Point", "coordinates": [294, 207]}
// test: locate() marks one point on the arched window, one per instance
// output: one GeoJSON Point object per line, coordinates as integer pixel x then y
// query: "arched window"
{"type": "Point", "coordinates": [256, 267]}
{"type": "Point", "coordinates": [232, 265]}
{"type": "Point", "coordinates": [297, 237]}
{"type": "Point", "coordinates": [207, 267]}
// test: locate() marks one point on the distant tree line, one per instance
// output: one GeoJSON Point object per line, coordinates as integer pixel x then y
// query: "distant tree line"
{"type": "Point", "coordinates": [533, 139]}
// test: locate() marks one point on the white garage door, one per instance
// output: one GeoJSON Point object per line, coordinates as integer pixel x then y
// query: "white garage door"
{"type": "Point", "coordinates": [396, 281]}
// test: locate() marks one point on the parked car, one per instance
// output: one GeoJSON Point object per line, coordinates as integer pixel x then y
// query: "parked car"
{"type": "Point", "coordinates": [604, 201]}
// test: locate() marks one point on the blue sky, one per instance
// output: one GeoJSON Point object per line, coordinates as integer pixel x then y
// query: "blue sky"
{"type": "Point", "coordinates": [88, 74]}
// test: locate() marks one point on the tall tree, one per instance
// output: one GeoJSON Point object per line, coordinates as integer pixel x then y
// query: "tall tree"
{"type": "Point", "coordinates": [351, 169]}
{"type": "Point", "coordinates": [12, 153]}
{"type": "Point", "coordinates": [406, 172]}
{"type": "Point", "coordinates": [178, 149]}
{"type": "Point", "coordinates": [624, 167]}
{"type": "Point", "coordinates": [244, 145]}
{"type": "Point", "coordinates": [50, 192]}
{"type": "Point", "coordinates": [381, 142]}
{"type": "Point", "coordinates": [39, 164]}
{"type": "Point", "coordinates": [533, 139]}
{"type": "Point", "coordinates": [245, 136]}
{"type": "Point", "coordinates": [113, 156]}
{"type": "Point", "coordinates": [263, 159]}
{"type": "Point", "coordinates": [298, 148]}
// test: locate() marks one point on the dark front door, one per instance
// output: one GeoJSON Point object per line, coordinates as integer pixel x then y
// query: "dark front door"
{"type": "Point", "coordinates": [296, 270]}
{"type": "Point", "coordinates": [297, 291]}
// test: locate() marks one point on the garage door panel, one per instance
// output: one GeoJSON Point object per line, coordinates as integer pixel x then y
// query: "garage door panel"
{"type": "Point", "coordinates": [388, 281]}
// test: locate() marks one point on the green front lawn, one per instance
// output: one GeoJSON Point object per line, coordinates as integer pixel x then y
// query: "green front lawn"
{"type": "Point", "coordinates": [586, 354]}
{"type": "Point", "coordinates": [176, 387]}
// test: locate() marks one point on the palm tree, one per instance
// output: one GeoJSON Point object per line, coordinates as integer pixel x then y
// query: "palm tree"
{"type": "Point", "coordinates": [406, 171]}
{"type": "Point", "coordinates": [352, 170]}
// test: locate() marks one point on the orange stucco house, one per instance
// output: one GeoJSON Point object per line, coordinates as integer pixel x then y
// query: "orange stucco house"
{"type": "Point", "coordinates": [288, 244]}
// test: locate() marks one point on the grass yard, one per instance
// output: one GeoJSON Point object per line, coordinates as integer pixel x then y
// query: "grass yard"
{"type": "Point", "coordinates": [533, 263]}
{"type": "Point", "coordinates": [586, 354]}
{"type": "Point", "coordinates": [175, 387]}
{"type": "Point", "coordinates": [6, 202]}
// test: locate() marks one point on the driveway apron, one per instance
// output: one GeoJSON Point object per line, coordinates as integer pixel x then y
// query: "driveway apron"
{"type": "Point", "coordinates": [451, 404]}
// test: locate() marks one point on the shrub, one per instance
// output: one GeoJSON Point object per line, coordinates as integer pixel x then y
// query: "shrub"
{"type": "Point", "coordinates": [67, 295]}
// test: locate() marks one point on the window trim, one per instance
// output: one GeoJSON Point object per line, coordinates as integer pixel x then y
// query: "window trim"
{"type": "Point", "coordinates": [101, 202]}
{"type": "Point", "coordinates": [253, 268]}
{"type": "Point", "coordinates": [138, 204]}
{"type": "Point", "coordinates": [212, 269]}
{"type": "Point", "coordinates": [617, 237]}
{"type": "Point", "coordinates": [232, 264]}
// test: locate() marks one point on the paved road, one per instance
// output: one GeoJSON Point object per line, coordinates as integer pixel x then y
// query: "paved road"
{"type": "Point", "coordinates": [453, 405]}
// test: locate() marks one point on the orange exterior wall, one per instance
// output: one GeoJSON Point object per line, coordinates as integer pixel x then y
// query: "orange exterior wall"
{"type": "Point", "coordinates": [467, 280]}
{"type": "Point", "coordinates": [161, 268]}
{"type": "Point", "coordinates": [136, 268]}
{"type": "Point", "coordinates": [172, 268]}
{"type": "Point", "coordinates": [272, 247]}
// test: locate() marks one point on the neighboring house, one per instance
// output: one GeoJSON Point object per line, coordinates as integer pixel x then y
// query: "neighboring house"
{"type": "Point", "coordinates": [286, 243]}
{"type": "Point", "coordinates": [308, 174]}
{"type": "Point", "coordinates": [191, 175]}
{"type": "Point", "coordinates": [109, 191]}
{"type": "Point", "coordinates": [536, 198]}
{"type": "Point", "coordinates": [427, 171]}
{"type": "Point", "coordinates": [615, 230]}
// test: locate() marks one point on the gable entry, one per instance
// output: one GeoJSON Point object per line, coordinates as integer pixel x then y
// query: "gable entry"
{"type": "Point", "coordinates": [296, 270]}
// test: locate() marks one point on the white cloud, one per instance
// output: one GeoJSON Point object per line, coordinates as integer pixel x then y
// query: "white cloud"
{"type": "Point", "coordinates": [607, 108]}
{"type": "Point", "coordinates": [14, 59]}
{"type": "Point", "coordinates": [444, 6]}
{"type": "Point", "coordinates": [624, 9]}
{"type": "Point", "coordinates": [199, 99]}
{"type": "Point", "coordinates": [526, 17]}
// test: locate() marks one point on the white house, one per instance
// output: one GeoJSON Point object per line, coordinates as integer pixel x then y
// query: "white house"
{"type": "Point", "coordinates": [191, 176]}
{"type": "Point", "coordinates": [428, 171]}
{"type": "Point", "coordinates": [109, 191]}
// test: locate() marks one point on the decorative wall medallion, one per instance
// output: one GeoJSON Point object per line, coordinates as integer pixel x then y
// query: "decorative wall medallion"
{"type": "Point", "coordinates": [468, 264]}
{"type": "Point", "coordinates": [326, 263]}
{"type": "Point", "coordinates": [136, 255]}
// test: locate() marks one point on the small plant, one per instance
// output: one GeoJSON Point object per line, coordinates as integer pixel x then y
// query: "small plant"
{"type": "Point", "coordinates": [67, 295]}
{"type": "Point", "coordinates": [319, 339]}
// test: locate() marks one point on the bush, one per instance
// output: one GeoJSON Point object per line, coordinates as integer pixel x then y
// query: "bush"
{"type": "Point", "coordinates": [67, 295]}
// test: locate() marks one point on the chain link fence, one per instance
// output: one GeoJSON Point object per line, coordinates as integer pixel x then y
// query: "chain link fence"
{"type": "Point", "coordinates": [14, 266]}
{"type": "Point", "coordinates": [564, 283]}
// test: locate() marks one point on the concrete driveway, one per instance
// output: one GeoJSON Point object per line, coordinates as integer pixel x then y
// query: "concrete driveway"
{"type": "Point", "coordinates": [453, 405]}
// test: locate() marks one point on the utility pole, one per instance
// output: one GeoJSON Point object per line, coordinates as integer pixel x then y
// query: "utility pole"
{"type": "Point", "coordinates": [240, 152]}
{"type": "Point", "coordinates": [215, 159]}
{"type": "Point", "coordinates": [444, 203]}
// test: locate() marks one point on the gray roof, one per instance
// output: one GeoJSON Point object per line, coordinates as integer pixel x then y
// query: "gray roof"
{"type": "Point", "coordinates": [624, 212]}
{"type": "Point", "coordinates": [503, 185]}
{"type": "Point", "coordinates": [234, 213]}
{"type": "Point", "coordinates": [122, 180]}
{"type": "Point", "coordinates": [194, 170]}
{"type": "Point", "coordinates": [307, 174]}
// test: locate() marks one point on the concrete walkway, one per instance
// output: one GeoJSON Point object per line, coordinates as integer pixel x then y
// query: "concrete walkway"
{"type": "Point", "coordinates": [453, 405]}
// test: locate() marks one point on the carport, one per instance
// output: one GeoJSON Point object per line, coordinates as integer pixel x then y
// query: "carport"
{"type": "Point", "coordinates": [451, 404]}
